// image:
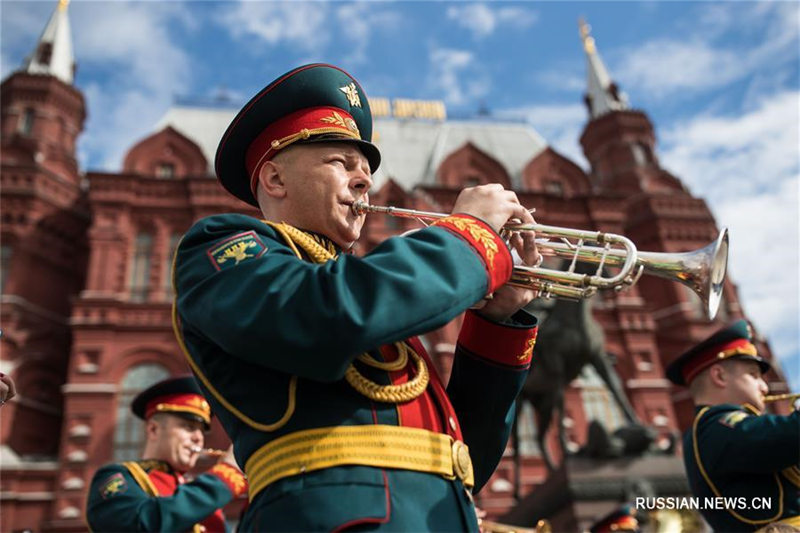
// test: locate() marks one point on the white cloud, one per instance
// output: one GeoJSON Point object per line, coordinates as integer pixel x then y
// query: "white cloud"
{"type": "Point", "coordinates": [362, 21]}
{"type": "Point", "coordinates": [764, 260]}
{"type": "Point", "coordinates": [706, 56]}
{"type": "Point", "coordinates": [146, 67]}
{"type": "Point", "coordinates": [134, 41]}
{"type": "Point", "coordinates": [454, 73]}
{"type": "Point", "coordinates": [748, 169]}
{"type": "Point", "coordinates": [305, 25]}
{"type": "Point", "coordinates": [732, 156]}
{"type": "Point", "coordinates": [483, 20]}
{"type": "Point", "coordinates": [664, 66]}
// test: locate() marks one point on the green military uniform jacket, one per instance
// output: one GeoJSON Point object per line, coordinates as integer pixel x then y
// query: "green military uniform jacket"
{"type": "Point", "coordinates": [743, 457]}
{"type": "Point", "coordinates": [271, 337]}
{"type": "Point", "coordinates": [149, 495]}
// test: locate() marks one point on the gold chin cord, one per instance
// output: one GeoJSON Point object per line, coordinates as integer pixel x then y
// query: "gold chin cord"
{"type": "Point", "coordinates": [701, 270]}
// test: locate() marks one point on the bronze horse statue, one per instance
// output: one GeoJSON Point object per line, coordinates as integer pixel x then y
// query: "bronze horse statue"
{"type": "Point", "coordinates": [569, 339]}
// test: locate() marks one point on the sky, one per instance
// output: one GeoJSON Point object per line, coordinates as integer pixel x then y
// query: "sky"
{"type": "Point", "coordinates": [719, 80]}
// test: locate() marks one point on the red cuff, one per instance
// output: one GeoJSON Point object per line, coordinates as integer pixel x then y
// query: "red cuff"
{"type": "Point", "coordinates": [492, 249]}
{"type": "Point", "coordinates": [231, 476]}
{"type": "Point", "coordinates": [503, 344]}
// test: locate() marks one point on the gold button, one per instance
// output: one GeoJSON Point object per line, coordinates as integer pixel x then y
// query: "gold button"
{"type": "Point", "coordinates": [452, 423]}
{"type": "Point", "coordinates": [462, 464]}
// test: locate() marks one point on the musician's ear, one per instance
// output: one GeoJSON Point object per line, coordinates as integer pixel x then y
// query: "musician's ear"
{"type": "Point", "coordinates": [718, 375]}
{"type": "Point", "coordinates": [271, 179]}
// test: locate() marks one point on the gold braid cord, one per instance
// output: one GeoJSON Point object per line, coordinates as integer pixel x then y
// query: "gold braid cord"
{"type": "Point", "coordinates": [404, 392]}
{"type": "Point", "coordinates": [391, 393]}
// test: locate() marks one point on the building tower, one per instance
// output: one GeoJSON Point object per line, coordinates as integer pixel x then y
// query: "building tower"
{"type": "Point", "coordinates": [619, 142]}
{"type": "Point", "coordinates": [660, 213]}
{"type": "Point", "coordinates": [44, 221]}
{"type": "Point", "coordinates": [43, 231]}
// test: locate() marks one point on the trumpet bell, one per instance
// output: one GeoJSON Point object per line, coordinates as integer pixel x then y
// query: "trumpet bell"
{"type": "Point", "coordinates": [701, 270]}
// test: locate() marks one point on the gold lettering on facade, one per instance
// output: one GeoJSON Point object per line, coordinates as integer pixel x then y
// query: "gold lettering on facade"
{"type": "Point", "coordinates": [406, 108]}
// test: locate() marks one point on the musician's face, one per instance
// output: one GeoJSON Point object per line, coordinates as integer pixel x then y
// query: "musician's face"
{"type": "Point", "coordinates": [175, 440]}
{"type": "Point", "coordinates": [746, 384]}
{"type": "Point", "coordinates": [321, 181]}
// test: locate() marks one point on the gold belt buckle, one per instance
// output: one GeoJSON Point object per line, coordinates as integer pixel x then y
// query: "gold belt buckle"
{"type": "Point", "coordinates": [462, 464]}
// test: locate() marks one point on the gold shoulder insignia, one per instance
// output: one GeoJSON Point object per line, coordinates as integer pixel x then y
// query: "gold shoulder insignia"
{"type": "Point", "coordinates": [113, 486]}
{"type": "Point", "coordinates": [236, 249]}
{"type": "Point", "coordinates": [732, 418]}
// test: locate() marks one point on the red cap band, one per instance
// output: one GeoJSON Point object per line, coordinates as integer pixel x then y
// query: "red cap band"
{"type": "Point", "coordinates": [715, 354]}
{"type": "Point", "coordinates": [180, 403]}
{"type": "Point", "coordinates": [296, 126]}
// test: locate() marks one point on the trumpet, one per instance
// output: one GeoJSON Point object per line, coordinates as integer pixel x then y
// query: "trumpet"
{"type": "Point", "coordinates": [211, 452]}
{"type": "Point", "coordinates": [792, 397]}
{"type": "Point", "coordinates": [701, 270]}
{"type": "Point", "coordinates": [489, 526]}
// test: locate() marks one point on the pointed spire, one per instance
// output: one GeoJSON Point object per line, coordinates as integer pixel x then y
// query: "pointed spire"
{"type": "Point", "coordinates": [602, 94]}
{"type": "Point", "coordinates": [53, 53]}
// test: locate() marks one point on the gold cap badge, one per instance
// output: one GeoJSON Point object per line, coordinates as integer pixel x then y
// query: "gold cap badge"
{"type": "Point", "coordinates": [352, 94]}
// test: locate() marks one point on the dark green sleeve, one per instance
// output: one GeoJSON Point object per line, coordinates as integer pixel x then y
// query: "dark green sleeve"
{"type": "Point", "coordinates": [309, 319]}
{"type": "Point", "coordinates": [737, 441]}
{"type": "Point", "coordinates": [483, 391]}
{"type": "Point", "coordinates": [130, 508]}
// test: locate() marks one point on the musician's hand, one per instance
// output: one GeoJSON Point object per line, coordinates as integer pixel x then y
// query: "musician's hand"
{"type": "Point", "coordinates": [229, 458]}
{"type": "Point", "coordinates": [481, 514]}
{"type": "Point", "coordinates": [507, 300]}
{"type": "Point", "coordinates": [7, 388]}
{"type": "Point", "coordinates": [491, 203]}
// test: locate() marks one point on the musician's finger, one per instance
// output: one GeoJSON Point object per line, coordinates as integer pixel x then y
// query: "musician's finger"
{"type": "Point", "coordinates": [530, 252]}
{"type": "Point", "coordinates": [12, 389]}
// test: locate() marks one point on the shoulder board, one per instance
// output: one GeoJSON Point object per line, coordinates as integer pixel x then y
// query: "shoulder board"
{"type": "Point", "coordinates": [732, 418]}
{"type": "Point", "coordinates": [112, 486]}
{"type": "Point", "coordinates": [236, 249]}
{"type": "Point", "coordinates": [141, 477]}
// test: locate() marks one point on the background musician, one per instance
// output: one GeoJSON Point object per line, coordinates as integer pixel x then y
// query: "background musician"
{"type": "Point", "coordinates": [732, 449]}
{"type": "Point", "coordinates": [152, 494]}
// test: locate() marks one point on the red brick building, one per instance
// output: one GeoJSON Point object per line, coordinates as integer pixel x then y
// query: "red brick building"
{"type": "Point", "coordinates": [86, 257]}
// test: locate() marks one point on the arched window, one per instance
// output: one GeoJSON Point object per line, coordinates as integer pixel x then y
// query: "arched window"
{"type": "Point", "coordinates": [129, 433]}
{"type": "Point", "coordinates": [165, 170]}
{"type": "Point", "coordinates": [140, 267]}
{"type": "Point", "coordinates": [26, 122]}
{"type": "Point", "coordinates": [598, 403]}
{"type": "Point", "coordinates": [528, 447]}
